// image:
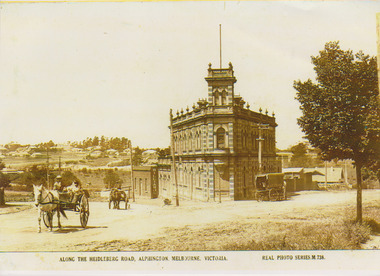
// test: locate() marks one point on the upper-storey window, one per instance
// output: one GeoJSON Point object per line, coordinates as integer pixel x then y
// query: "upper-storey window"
{"type": "Point", "coordinates": [220, 138]}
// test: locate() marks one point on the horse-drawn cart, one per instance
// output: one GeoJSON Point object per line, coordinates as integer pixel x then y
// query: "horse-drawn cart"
{"type": "Point", "coordinates": [76, 202]}
{"type": "Point", "coordinates": [117, 195]}
{"type": "Point", "coordinates": [270, 186]}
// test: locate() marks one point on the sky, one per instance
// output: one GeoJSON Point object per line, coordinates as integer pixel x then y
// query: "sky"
{"type": "Point", "coordinates": [74, 70]}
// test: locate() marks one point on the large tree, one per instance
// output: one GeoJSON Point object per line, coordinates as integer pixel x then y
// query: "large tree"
{"type": "Point", "coordinates": [340, 110]}
{"type": "Point", "coordinates": [112, 180]}
{"type": "Point", "coordinates": [300, 157]}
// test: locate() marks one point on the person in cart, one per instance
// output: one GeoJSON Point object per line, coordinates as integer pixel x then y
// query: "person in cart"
{"type": "Point", "coordinates": [74, 191]}
{"type": "Point", "coordinates": [58, 183]}
{"type": "Point", "coordinates": [57, 187]}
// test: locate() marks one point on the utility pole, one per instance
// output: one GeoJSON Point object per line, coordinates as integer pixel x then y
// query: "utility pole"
{"type": "Point", "coordinates": [47, 168]}
{"type": "Point", "coordinates": [133, 182]}
{"type": "Point", "coordinates": [220, 190]}
{"type": "Point", "coordinates": [345, 173]}
{"type": "Point", "coordinates": [261, 139]}
{"type": "Point", "coordinates": [59, 165]}
{"type": "Point", "coordinates": [326, 175]}
{"type": "Point", "coordinates": [173, 158]}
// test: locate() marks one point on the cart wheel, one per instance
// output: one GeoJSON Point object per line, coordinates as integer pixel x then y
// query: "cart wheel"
{"type": "Point", "coordinates": [84, 210]}
{"type": "Point", "coordinates": [273, 195]}
{"type": "Point", "coordinates": [259, 196]}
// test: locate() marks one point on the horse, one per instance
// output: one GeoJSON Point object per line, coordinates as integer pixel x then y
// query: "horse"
{"type": "Point", "coordinates": [46, 202]}
{"type": "Point", "coordinates": [115, 197]}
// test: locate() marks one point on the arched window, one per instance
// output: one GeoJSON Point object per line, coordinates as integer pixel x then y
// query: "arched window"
{"type": "Point", "coordinates": [200, 139]}
{"type": "Point", "coordinates": [184, 142]}
{"type": "Point", "coordinates": [223, 97]}
{"type": "Point", "coordinates": [220, 138]}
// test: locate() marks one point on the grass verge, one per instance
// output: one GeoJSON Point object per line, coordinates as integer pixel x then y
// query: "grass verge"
{"type": "Point", "coordinates": [318, 232]}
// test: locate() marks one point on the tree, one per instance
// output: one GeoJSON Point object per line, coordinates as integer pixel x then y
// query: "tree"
{"type": "Point", "coordinates": [112, 179]}
{"type": "Point", "coordinates": [4, 182]}
{"type": "Point", "coordinates": [163, 152]}
{"type": "Point", "coordinates": [340, 111]}
{"type": "Point", "coordinates": [300, 157]}
{"type": "Point", "coordinates": [137, 156]}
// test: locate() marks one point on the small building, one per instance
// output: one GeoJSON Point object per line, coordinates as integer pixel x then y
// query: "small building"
{"type": "Point", "coordinates": [112, 152]}
{"type": "Point", "coordinates": [284, 157]}
{"type": "Point", "coordinates": [37, 155]}
{"type": "Point", "coordinates": [145, 181]}
{"type": "Point", "coordinates": [300, 179]}
{"type": "Point", "coordinates": [333, 178]}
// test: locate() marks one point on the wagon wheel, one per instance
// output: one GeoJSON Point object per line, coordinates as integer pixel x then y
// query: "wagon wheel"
{"type": "Point", "coordinates": [84, 210]}
{"type": "Point", "coordinates": [259, 196]}
{"type": "Point", "coordinates": [273, 195]}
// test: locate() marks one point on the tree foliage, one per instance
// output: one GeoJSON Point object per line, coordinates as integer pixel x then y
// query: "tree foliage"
{"type": "Point", "coordinates": [4, 180]}
{"type": "Point", "coordinates": [340, 111]}
{"type": "Point", "coordinates": [137, 156]}
{"type": "Point", "coordinates": [112, 179]}
{"type": "Point", "coordinates": [300, 157]}
{"type": "Point", "coordinates": [105, 143]}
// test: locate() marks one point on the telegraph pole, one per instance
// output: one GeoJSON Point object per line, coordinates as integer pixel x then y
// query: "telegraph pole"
{"type": "Point", "coordinates": [173, 158]}
{"type": "Point", "coordinates": [59, 165]}
{"type": "Point", "coordinates": [326, 175]}
{"type": "Point", "coordinates": [47, 168]}
{"type": "Point", "coordinates": [133, 183]}
{"type": "Point", "coordinates": [261, 139]}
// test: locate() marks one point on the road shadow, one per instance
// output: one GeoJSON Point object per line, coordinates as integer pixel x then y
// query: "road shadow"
{"type": "Point", "coordinates": [72, 229]}
{"type": "Point", "coordinates": [7, 205]}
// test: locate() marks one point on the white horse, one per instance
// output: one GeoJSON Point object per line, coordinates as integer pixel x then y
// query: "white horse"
{"type": "Point", "coordinates": [46, 202]}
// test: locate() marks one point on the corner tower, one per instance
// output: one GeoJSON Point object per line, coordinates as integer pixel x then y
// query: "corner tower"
{"type": "Point", "coordinates": [221, 86]}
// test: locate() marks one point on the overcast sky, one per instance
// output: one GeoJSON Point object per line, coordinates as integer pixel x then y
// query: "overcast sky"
{"type": "Point", "coordinates": [74, 70]}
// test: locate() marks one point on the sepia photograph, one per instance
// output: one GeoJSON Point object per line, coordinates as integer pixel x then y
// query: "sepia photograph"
{"type": "Point", "coordinates": [193, 136]}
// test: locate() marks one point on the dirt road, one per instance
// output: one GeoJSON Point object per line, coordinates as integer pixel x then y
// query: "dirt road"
{"type": "Point", "coordinates": [148, 219]}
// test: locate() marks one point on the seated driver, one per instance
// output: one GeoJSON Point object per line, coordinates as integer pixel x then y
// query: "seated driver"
{"type": "Point", "coordinates": [73, 189]}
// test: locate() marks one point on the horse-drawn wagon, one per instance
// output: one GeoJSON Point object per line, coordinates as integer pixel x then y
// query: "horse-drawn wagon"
{"type": "Point", "coordinates": [76, 202]}
{"type": "Point", "coordinates": [49, 202]}
{"type": "Point", "coordinates": [117, 195]}
{"type": "Point", "coordinates": [270, 186]}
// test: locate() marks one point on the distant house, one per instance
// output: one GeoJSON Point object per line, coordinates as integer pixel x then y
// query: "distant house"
{"type": "Point", "coordinates": [285, 158]}
{"type": "Point", "coordinates": [96, 154]}
{"type": "Point", "coordinates": [20, 154]}
{"type": "Point", "coordinates": [112, 152]}
{"type": "Point", "coordinates": [300, 179]}
{"type": "Point", "coordinates": [145, 181]}
{"type": "Point", "coordinates": [330, 178]}
{"type": "Point", "coordinates": [36, 155]}
{"type": "Point", "coordinates": [76, 150]}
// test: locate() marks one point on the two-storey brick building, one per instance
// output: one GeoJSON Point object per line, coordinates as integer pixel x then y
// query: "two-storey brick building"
{"type": "Point", "coordinates": [217, 145]}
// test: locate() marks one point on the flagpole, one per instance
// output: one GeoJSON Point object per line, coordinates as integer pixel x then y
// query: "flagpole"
{"type": "Point", "coordinates": [220, 45]}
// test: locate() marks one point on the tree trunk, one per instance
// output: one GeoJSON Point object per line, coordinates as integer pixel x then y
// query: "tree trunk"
{"type": "Point", "coordinates": [359, 193]}
{"type": "Point", "coordinates": [2, 197]}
